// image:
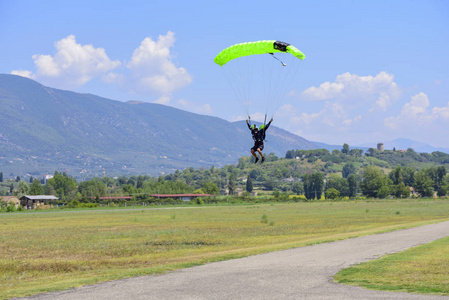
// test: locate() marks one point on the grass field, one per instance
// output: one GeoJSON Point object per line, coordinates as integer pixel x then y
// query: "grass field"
{"type": "Point", "coordinates": [423, 269]}
{"type": "Point", "coordinates": [57, 250]}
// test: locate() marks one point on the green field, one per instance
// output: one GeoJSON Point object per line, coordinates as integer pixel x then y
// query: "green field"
{"type": "Point", "coordinates": [423, 269]}
{"type": "Point", "coordinates": [47, 251]}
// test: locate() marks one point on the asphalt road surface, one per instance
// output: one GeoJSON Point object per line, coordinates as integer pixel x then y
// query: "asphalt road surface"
{"type": "Point", "coordinates": [301, 273]}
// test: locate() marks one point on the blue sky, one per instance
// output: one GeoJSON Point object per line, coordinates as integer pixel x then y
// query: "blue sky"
{"type": "Point", "coordinates": [374, 70]}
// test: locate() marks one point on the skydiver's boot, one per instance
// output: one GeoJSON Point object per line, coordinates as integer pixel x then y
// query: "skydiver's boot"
{"type": "Point", "coordinates": [257, 159]}
{"type": "Point", "coordinates": [263, 159]}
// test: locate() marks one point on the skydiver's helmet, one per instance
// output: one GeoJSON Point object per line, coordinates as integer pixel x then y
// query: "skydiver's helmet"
{"type": "Point", "coordinates": [253, 126]}
{"type": "Point", "coordinates": [262, 127]}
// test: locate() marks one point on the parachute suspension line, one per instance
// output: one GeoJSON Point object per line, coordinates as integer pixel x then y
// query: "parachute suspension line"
{"type": "Point", "coordinates": [239, 77]}
{"type": "Point", "coordinates": [278, 79]}
{"type": "Point", "coordinates": [288, 77]}
{"type": "Point", "coordinates": [272, 54]}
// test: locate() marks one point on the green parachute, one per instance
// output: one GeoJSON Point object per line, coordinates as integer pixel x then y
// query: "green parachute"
{"type": "Point", "coordinates": [259, 47]}
{"type": "Point", "coordinates": [260, 73]}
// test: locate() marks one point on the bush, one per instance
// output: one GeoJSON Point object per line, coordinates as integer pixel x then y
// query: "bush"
{"type": "Point", "coordinates": [11, 208]}
{"type": "Point", "coordinates": [88, 205]}
{"type": "Point", "coordinates": [264, 219]}
{"type": "Point", "coordinates": [332, 193]}
{"type": "Point", "coordinates": [73, 204]}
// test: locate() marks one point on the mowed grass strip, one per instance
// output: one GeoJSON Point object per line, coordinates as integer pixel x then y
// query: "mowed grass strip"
{"type": "Point", "coordinates": [52, 251]}
{"type": "Point", "coordinates": [423, 269]}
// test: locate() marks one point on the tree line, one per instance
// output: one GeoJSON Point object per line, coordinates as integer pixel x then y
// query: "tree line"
{"type": "Point", "coordinates": [311, 173]}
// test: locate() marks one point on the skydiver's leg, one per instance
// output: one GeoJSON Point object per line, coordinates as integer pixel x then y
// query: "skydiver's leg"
{"type": "Point", "coordinates": [253, 152]}
{"type": "Point", "coordinates": [259, 149]}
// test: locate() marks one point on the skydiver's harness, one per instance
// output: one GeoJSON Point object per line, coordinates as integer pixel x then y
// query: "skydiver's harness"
{"type": "Point", "coordinates": [260, 137]}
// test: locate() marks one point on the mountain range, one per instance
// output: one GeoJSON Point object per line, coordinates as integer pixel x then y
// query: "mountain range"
{"type": "Point", "coordinates": [44, 129]}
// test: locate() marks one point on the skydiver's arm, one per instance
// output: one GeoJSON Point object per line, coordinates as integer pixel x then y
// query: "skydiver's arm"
{"type": "Point", "coordinates": [268, 125]}
{"type": "Point", "coordinates": [249, 127]}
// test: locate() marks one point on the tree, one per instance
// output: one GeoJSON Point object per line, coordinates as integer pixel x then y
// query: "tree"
{"type": "Point", "coordinates": [1, 176]}
{"type": "Point", "coordinates": [408, 174]}
{"type": "Point", "coordinates": [423, 184]}
{"type": "Point", "coordinates": [443, 190]}
{"type": "Point", "coordinates": [269, 184]}
{"type": "Point", "coordinates": [313, 185]}
{"type": "Point", "coordinates": [339, 184]}
{"type": "Point", "coordinates": [63, 186]}
{"type": "Point", "coordinates": [308, 187]}
{"type": "Point", "coordinates": [231, 184]}
{"type": "Point", "coordinates": [23, 188]}
{"type": "Point", "coordinates": [244, 160]}
{"type": "Point", "coordinates": [298, 188]}
{"type": "Point", "coordinates": [255, 173]}
{"type": "Point", "coordinates": [140, 181]}
{"type": "Point", "coordinates": [17, 178]}
{"type": "Point", "coordinates": [290, 154]}
{"type": "Point", "coordinates": [396, 175]}
{"type": "Point", "coordinates": [440, 172]}
{"type": "Point", "coordinates": [129, 189]}
{"type": "Point", "coordinates": [91, 189]}
{"type": "Point", "coordinates": [318, 182]}
{"type": "Point", "coordinates": [36, 188]}
{"type": "Point", "coordinates": [401, 191]}
{"type": "Point", "coordinates": [345, 149]}
{"type": "Point", "coordinates": [352, 185]}
{"type": "Point", "coordinates": [210, 188]}
{"type": "Point", "coordinates": [356, 152]}
{"type": "Point", "coordinates": [348, 169]}
{"type": "Point", "coordinates": [384, 190]}
{"type": "Point", "coordinates": [249, 185]}
{"type": "Point", "coordinates": [375, 182]}
{"type": "Point", "coordinates": [371, 152]}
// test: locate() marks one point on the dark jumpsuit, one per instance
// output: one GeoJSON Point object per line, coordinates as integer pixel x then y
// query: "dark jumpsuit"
{"type": "Point", "coordinates": [258, 137]}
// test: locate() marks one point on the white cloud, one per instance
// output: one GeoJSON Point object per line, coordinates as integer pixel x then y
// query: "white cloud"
{"type": "Point", "coordinates": [347, 109]}
{"type": "Point", "coordinates": [305, 118]}
{"type": "Point", "coordinates": [204, 109]}
{"type": "Point", "coordinates": [153, 69]}
{"type": "Point", "coordinates": [163, 100]}
{"type": "Point", "coordinates": [355, 90]}
{"type": "Point", "coordinates": [114, 77]}
{"type": "Point", "coordinates": [441, 112]}
{"type": "Point", "coordinates": [357, 109]}
{"type": "Point", "coordinates": [326, 90]}
{"type": "Point", "coordinates": [417, 106]}
{"type": "Point", "coordinates": [72, 66]}
{"type": "Point", "coordinates": [415, 114]}
{"type": "Point", "coordinates": [238, 118]}
{"type": "Point", "coordinates": [22, 73]}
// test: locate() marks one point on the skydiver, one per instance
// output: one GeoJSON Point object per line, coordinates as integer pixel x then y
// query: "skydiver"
{"type": "Point", "coordinates": [258, 137]}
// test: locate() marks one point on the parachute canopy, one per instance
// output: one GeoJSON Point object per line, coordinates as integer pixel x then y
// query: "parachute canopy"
{"type": "Point", "coordinates": [252, 48]}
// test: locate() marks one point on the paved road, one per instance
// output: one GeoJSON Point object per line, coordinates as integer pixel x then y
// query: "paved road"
{"type": "Point", "coordinates": [301, 273]}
